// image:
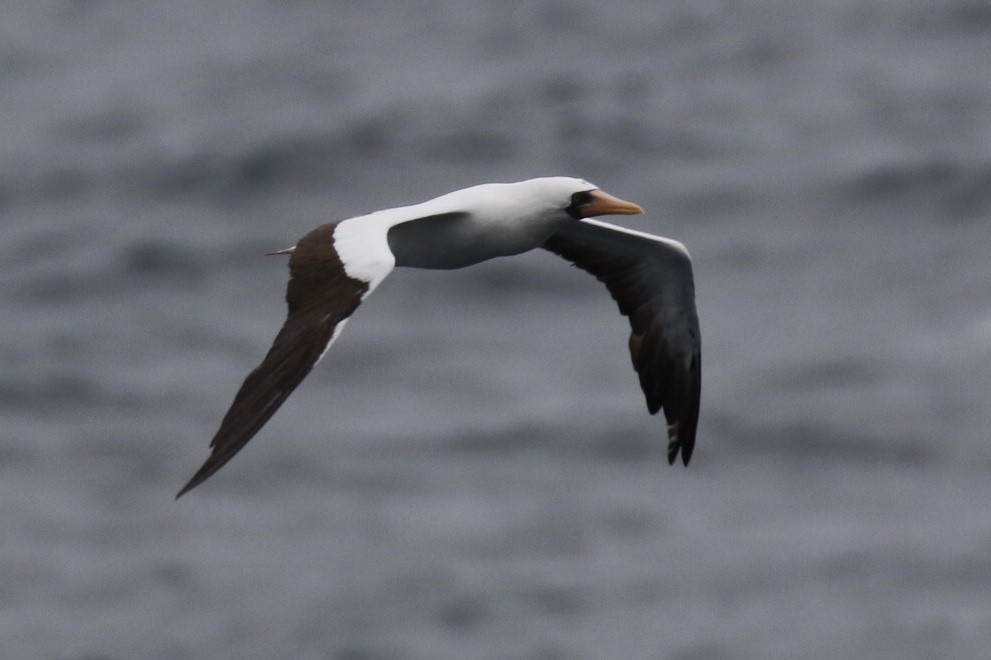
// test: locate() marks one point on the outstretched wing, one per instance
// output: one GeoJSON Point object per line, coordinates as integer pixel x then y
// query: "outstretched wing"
{"type": "Point", "coordinates": [321, 296]}
{"type": "Point", "coordinates": [651, 279]}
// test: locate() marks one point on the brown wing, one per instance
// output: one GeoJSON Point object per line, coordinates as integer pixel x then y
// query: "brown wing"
{"type": "Point", "coordinates": [321, 297]}
{"type": "Point", "coordinates": [651, 279]}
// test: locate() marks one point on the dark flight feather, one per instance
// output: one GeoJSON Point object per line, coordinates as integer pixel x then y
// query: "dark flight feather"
{"type": "Point", "coordinates": [320, 295]}
{"type": "Point", "coordinates": [651, 281]}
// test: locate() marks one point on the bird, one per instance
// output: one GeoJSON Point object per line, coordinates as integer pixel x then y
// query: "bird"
{"type": "Point", "coordinates": [334, 267]}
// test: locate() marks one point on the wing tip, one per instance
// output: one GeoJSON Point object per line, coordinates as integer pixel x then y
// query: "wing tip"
{"type": "Point", "coordinates": [190, 485]}
{"type": "Point", "coordinates": [674, 448]}
{"type": "Point", "coordinates": [205, 472]}
{"type": "Point", "coordinates": [677, 444]}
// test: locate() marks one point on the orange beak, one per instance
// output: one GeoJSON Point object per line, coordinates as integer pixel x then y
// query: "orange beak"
{"type": "Point", "coordinates": [605, 204]}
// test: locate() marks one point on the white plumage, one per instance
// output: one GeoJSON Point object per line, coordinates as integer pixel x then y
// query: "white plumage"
{"type": "Point", "coordinates": [336, 266]}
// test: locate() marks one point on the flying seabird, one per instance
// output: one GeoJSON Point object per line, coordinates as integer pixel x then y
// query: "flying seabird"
{"type": "Point", "coordinates": [334, 267]}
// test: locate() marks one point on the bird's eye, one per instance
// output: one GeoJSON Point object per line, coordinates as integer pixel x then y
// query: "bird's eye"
{"type": "Point", "coordinates": [581, 198]}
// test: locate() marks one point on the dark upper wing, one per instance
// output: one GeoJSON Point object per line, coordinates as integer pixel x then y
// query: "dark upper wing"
{"type": "Point", "coordinates": [651, 279]}
{"type": "Point", "coordinates": [321, 297]}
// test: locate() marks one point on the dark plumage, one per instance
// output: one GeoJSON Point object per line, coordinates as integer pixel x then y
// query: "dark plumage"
{"type": "Point", "coordinates": [334, 267]}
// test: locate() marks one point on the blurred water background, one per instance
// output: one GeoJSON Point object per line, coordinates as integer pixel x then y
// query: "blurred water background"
{"type": "Point", "coordinates": [471, 472]}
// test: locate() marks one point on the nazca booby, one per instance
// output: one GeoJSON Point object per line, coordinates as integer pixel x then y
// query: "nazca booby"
{"type": "Point", "coordinates": [334, 268]}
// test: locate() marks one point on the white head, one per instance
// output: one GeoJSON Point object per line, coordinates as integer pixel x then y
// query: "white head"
{"type": "Point", "coordinates": [553, 198]}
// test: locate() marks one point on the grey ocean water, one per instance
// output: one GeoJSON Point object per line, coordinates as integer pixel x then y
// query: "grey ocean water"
{"type": "Point", "coordinates": [471, 472]}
